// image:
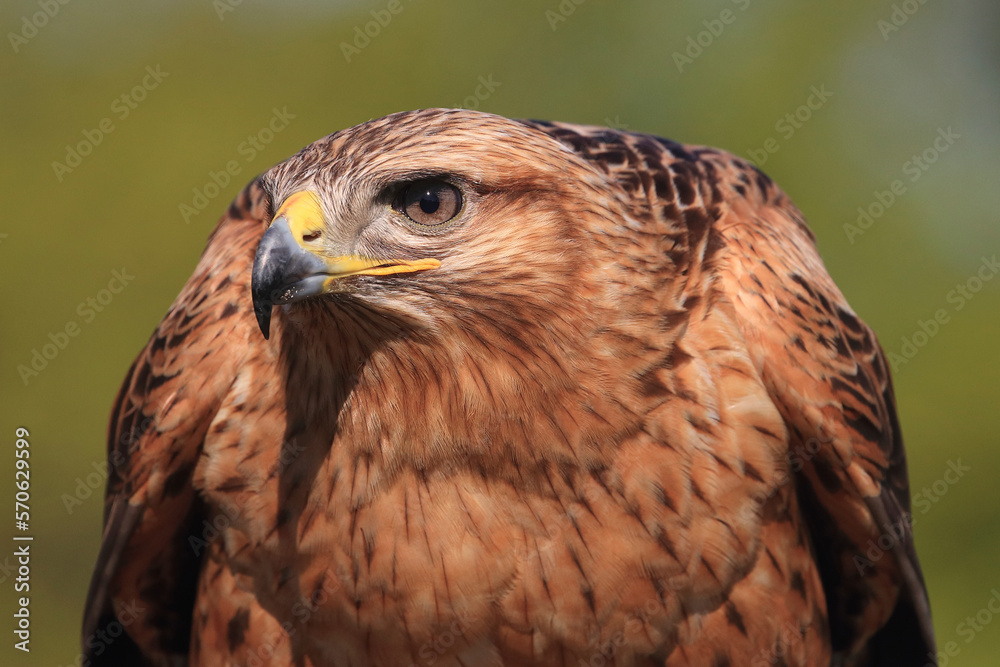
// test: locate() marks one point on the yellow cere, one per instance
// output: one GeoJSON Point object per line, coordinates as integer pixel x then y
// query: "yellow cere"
{"type": "Point", "coordinates": [304, 214]}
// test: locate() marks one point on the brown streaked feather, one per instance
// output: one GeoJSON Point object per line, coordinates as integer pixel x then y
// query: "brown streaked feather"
{"type": "Point", "coordinates": [159, 419]}
{"type": "Point", "coordinates": [825, 372]}
{"type": "Point", "coordinates": [829, 378]}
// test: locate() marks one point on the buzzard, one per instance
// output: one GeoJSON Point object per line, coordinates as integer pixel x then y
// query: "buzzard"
{"type": "Point", "coordinates": [451, 389]}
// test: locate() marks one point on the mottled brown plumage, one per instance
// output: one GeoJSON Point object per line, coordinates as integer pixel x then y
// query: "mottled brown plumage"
{"type": "Point", "coordinates": [629, 420]}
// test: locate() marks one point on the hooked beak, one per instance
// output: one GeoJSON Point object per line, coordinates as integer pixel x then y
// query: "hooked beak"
{"type": "Point", "coordinates": [291, 264]}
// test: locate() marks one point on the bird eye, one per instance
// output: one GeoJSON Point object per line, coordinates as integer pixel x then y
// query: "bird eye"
{"type": "Point", "coordinates": [429, 202]}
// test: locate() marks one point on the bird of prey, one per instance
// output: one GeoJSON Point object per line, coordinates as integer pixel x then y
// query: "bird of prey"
{"type": "Point", "coordinates": [447, 388]}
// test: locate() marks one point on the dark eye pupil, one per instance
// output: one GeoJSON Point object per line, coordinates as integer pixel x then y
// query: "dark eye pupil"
{"type": "Point", "coordinates": [429, 202]}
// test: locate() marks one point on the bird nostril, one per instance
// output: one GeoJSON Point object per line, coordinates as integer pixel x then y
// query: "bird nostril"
{"type": "Point", "coordinates": [310, 237]}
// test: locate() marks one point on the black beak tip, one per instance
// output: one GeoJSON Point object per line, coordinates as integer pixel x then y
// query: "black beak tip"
{"type": "Point", "coordinates": [263, 313]}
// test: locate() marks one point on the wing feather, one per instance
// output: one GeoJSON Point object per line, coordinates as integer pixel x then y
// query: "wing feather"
{"type": "Point", "coordinates": [822, 367]}
{"type": "Point", "coordinates": [147, 569]}
{"type": "Point", "coordinates": [826, 373]}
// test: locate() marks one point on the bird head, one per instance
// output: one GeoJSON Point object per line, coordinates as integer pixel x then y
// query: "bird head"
{"type": "Point", "coordinates": [293, 263]}
{"type": "Point", "coordinates": [423, 209]}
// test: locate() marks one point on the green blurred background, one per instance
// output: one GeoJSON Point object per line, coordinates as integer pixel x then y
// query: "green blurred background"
{"type": "Point", "coordinates": [894, 77]}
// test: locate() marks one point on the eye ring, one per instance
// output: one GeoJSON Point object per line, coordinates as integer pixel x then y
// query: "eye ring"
{"type": "Point", "coordinates": [429, 202]}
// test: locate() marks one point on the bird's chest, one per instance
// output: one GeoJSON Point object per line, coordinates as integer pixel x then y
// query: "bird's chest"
{"type": "Point", "coordinates": [334, 547]}
{"type": "Point", "coordinates": [346, 548]}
